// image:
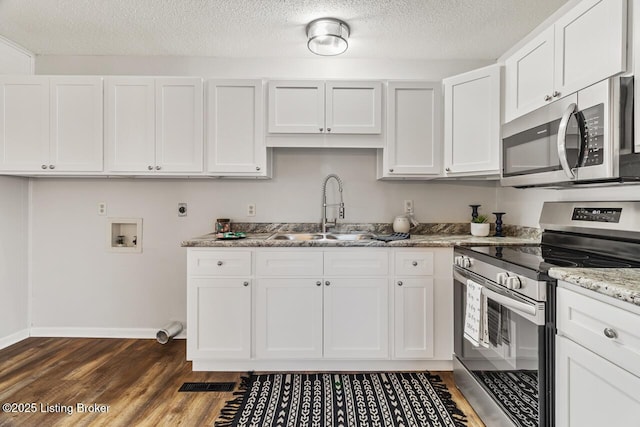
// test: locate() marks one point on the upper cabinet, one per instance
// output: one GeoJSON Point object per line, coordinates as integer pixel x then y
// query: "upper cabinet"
{"type": "Point", "coordinates": [336, 107]}
{"type": "Point", "coordinates": [472, 123]}
{"type": "Point", "coordinates": [412, 149]}
{"type": "Point", "coordinates": [586, 45]}
{"type": "Point", "coordinates": [154, 125]}
{"type": "Point", "coordinates": [235, 129]}
{"type": "Point", "coordinates": [51, 124]}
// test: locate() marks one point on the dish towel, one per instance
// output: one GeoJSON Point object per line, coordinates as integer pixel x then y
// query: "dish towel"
{"type": "Point", "coordinates": [476, 319]}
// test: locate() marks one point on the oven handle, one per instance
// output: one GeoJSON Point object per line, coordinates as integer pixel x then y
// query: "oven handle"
{"type": "Point", "coordinates": [562, 140]}
{"type": "Point", "coordinates": [532, 312]}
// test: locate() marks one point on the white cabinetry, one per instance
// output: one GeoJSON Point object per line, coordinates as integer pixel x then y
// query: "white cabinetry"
{"type": "Point", "coordinates": [154, 125]}
{"type": "Point", "coordinates": [472, 123]}
{"type": "Point", "coordinates": [586, 45]}
{"type": "Point", "coordinates": [350, 107]}
{"type": "Point", "coordinates": [51, 124]}
{"type": "Point", "coordinates": [597, 361]}
{"type": "Point", "coordinates": [219, 304]}
{"type": "Point", "coordinates": [235, 129]}
{"type": "Point", "coordinates": [413, 146]}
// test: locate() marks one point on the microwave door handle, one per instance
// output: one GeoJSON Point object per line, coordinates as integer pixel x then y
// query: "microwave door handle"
{"type": "Point", "coordinates": [562, 140]}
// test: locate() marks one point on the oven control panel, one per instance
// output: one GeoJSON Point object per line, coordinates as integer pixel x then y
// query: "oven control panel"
{"type": "Point", "coordinates": [597, 214]}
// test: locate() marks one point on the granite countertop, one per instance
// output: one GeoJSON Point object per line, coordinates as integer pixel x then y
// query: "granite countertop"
{"type": "Point", "coordinates": [620, 283]}
{"type": "Point", "coordinates": [416, 240]}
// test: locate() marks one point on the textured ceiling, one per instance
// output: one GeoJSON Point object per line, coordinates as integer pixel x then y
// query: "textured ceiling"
{"type": "Point", "coordinates": [424, 29]}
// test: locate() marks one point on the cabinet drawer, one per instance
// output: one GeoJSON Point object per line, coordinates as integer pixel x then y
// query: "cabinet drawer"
{"type": "Point", "coordinates": [289, 263]}
{"type": "Point", "coordinates": [414, 263]}
{"type": "Point", "coordinates": [356, 263]}
{"type": "Point", "coordinates": [586, 320]}
{"type": "Point", "coordinates": [219, 263]}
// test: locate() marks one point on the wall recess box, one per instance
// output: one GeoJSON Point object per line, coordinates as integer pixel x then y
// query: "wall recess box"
{"type": "Point", "coordinates": [124, 235]}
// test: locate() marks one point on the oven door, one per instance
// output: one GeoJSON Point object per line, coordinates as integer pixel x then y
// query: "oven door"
{"type": "Point", "coordinates": [512, 371]}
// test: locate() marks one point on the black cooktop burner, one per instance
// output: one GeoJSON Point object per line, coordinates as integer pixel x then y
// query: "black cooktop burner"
{"type": "Point", "coordinates": [541, 258]}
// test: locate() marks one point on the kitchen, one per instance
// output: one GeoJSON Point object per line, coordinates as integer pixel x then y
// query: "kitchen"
{"type": "Point", "coordinates": [60, 281]}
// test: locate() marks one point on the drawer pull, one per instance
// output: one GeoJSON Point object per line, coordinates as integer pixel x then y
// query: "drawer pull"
{"type": "Point", "coordinates": [245, 284]}
{"type": "Point", "coordinates": [327, 283]}
{"type": "Point", "coordinates": [399, 282]}
{"type": "Point", "coordinates": [318, 283]}
{"type": "Point", "coordinates": [414, 263]}
{"type": "Point", "coordinates": [610, 333]}
{"type": "Point", "coordinates": [219, 263]}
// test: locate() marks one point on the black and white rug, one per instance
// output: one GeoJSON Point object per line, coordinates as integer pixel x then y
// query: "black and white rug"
{"type": "Point", "coordinates": [349, 400]}
{"type": "Point", "coordinates": [517, 392]}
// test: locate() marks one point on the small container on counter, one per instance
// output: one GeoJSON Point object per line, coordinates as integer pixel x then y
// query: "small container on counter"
{"type": "Point", "coordinates": [223, 225]}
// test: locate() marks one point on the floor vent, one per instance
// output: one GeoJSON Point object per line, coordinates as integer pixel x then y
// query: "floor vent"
{"type": "Point", "coordinates": [225, 387]}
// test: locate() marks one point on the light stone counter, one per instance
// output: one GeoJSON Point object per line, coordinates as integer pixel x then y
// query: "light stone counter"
{"type": "Point", "coordinates": [620, 283]}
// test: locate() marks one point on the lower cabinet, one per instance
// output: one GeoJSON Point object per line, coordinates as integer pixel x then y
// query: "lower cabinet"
{"type": "Point", "coordinates": [219, 318]}
{"type": "Point", "coordinates": [318, 308]}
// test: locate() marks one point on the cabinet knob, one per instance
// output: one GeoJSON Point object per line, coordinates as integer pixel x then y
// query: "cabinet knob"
{"type": "Point", "coordinates": [150, 168]}
{"type": "Point", "coordinates": [158, 168]}
{"type": "Point", "coordinates": [245, 284]}
{"type": "Point", "coordinates": [219, 263]}
{"type": "Point", "coordinates": [610, 333]}
{"type": "Point", "coordinates": [414, 263]}
{"type": "Point", "coordinates": [547, 98]}
{"type": "Point", "coordinates": [328, 129]}
{"type": "Point", "coordinates": [43, 166]}
{"type": "Point", "coordinates": [399, 282]}
{"type": "Point", "coordinates": [52, 166]}
{"type": "Point", "coordinates": [448, 169]}
{"type": "Point", "coordinates": [257, 168]}
{"type": "Point", "coordinates": [321, 129]}
{"type": "Point", "coordinates": [318, 283]}
{"type": "Point", "coordinates": [327, 283]}
{"type": "Point", "coordinates": [390, 170]}
{"type": "Point", "coordinates": [555, 94]}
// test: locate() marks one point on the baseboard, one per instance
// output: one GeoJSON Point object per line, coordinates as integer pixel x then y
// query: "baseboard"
{"type": "Point", "coordinates": [137, 333]}
{"type": "Point", "coordinates": [14, 338]}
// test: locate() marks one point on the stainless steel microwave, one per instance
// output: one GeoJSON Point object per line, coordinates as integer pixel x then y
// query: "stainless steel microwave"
{"type": "Point", "coordinates": [584, 138]}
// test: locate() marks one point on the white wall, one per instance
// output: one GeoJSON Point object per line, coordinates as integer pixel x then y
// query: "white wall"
{"type": "Point", "coordinates": [14, 290]}
{"type": "Point", "coordinates": [78, 284]}
{"type": "Point", "coordinates": [523, 206]}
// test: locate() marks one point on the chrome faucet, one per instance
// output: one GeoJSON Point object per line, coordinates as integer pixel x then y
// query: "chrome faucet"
{"type": "Point", "coordinates": [326, 223]}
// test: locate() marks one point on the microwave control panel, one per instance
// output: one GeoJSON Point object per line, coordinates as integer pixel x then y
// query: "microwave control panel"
{"type": "Point", "coordinates": [594, 135]}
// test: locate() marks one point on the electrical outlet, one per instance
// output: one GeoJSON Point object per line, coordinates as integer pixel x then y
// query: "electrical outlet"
{"type": "Point", "coordinates": [102, 208]}
{"type": "Point", "coordinates": [251, 209]}
{"type": "Point", "coordinates": [408, 206]}
{"type": "Point", "coordinates": [182, 209]}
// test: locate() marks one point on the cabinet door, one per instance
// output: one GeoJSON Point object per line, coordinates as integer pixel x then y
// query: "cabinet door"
{"type": "Point", "coordinates": [472, 122]}
{"type": "Point", "coordinates": [219, 318]}
{"type": "Point", "coordinates": [413, 135]}
{"type": "Point", "coordinates": [24, 123]}
{"type": "Point", "coordinates": [76, 124]}
{"type": "Point", "coordinates": [356, 322]}
{"type": "Point", "coordinates": [590, 44]}
{"type": "Point", "coordinates": [289, 318]}
{"type": "Point", "coordinates": [296, 106]}
{"type": "Point", "coordinates": [130, 124]}
{"type": "Point", "coordinates": [353, 107]}
{"type": "Point", "coordinates": [179, 125]}
{"type": "Point", "coordinates": [529, 76]}
{"type": "Point", "coordinates": [413, 318]}
{"type": "Point", "coordinates": [235, 128]}
{"type": "Point", "coordinates": [591, 391]}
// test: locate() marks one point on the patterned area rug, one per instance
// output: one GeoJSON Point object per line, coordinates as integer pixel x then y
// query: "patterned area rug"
{"type": "Point", "coordinates": [349, 400]}
{"type": "Point", "coordinates": [517, 391]}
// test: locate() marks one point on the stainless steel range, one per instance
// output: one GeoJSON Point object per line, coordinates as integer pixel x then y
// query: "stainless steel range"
{"type": "Point", "coordinates": [504, 306]}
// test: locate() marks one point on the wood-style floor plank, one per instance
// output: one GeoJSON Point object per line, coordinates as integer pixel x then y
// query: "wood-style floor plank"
{"type": "Point", "coordinates": [137, 379]}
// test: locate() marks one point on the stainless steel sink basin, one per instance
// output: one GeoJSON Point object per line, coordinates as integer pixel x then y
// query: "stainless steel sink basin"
{"type": "Point", "coordinates": [322, 236]}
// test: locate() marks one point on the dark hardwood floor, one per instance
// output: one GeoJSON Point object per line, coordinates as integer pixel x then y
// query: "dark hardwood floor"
{"type": "Point", "coordinates": [135, 381]}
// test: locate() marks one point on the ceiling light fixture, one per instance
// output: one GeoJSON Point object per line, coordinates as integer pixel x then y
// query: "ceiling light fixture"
{"type": "Point", "coordinates": [327, 36]}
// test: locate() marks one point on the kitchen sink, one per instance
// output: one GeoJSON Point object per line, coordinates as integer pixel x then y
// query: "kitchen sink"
{"type": "Point", "coordinates": [322, 236]}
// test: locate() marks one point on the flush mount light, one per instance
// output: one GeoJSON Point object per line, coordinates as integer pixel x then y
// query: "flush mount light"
{"type": "Point", "coordinates": [327, 36]}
